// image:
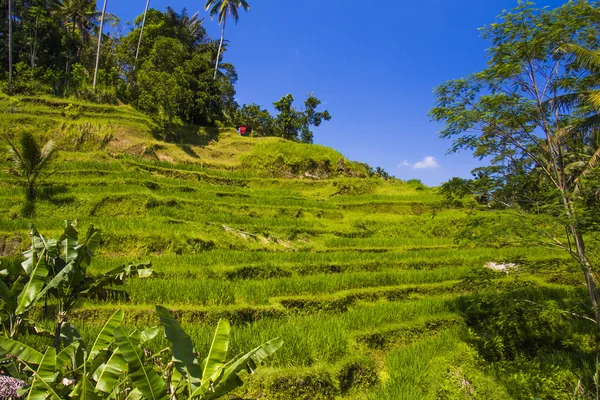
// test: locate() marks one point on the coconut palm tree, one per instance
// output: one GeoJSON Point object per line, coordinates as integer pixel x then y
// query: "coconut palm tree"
{"type": "Point", "coordinates": [137, 52]}
{"type": "Point", "coordinates": [9, 40]}
{"type": "Point", "coordinates": [77, 16]}
{"type": "Point", "coordinates": [224, 8]}
{"type": "Point", "coordinates": [99, 44]}
{"type": "Point", "coordinates": [29, 160]}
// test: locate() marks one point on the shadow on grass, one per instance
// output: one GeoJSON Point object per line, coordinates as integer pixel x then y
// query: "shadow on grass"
{"type": "Point", "coordinates": [28, 208]}
{"type": "Point", "coordinates": [187, 135]}
{"type": "Point", "coordinates": [535, 332]}
{"type": "Point", "coordinates": [188, 150]}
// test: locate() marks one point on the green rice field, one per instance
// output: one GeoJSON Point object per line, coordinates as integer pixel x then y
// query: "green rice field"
{"type": "Point", "coordinates": [363, 278]}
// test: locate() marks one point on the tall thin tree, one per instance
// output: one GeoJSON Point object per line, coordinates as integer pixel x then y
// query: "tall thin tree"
{"type": "Point", "coordinates": [137, 52]}
{"type": "Point", "coordinates": [224, 8]}
{"type": "Point", "coordinates": [99, 44]}
{"type": "Point", "coordinates": [10, 40]}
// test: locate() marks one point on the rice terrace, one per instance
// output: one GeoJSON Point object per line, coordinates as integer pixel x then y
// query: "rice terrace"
{"type": "Point", "coordinates": [163, 236]}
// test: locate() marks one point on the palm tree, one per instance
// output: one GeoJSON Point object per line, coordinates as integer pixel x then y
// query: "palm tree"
{"type": "Point", "coordinates": [99, 44]}
{"type": "Point", "coordinates": [77, 16]}
{"type": "Point", "coordinates": [29, 160]}
{"type": "Point", "coordinates": [9, 40]}
{"type": "Point", "coordinates": [137, 52]}
{"type": "Point", "coordinates": [223, 8]}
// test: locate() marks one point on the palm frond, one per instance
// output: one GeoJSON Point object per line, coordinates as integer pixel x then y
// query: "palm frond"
{"type": "Point", "coordinates": [30, 152]}
{"type": "Point", "coordinates": [594, 98]}
{"type": "Point", "coordinates": [568, 101]}
{"type": "Point", "coordinates": [46, 155]}
{"type": "Point", "coordinates": [592, 163]}
{"type": "Point", "coordinates": [15, 156]}
{"type": "Point", "coordinates": [588, 130]}
{"type": "Point", "coordinates": [586, 58]}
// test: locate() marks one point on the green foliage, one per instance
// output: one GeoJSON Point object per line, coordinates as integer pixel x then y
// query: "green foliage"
{"type": "Point", "coordinates": [29, 160]}
{"type": "Point", "coordinates": [260, 122]}
{"type": "Point", "coordinates": [295, 125]}
{"type": "Point", "coordinates": [537, 140]}
{"type": "Point", "coordinates": [118, 365]}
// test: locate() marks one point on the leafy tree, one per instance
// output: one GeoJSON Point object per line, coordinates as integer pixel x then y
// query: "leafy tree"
{"type": "Point", "coordinates": [223, 9]}
{"type": "Point", "coordinates": [511, 114]}
{"type": "Point", "coordinates": [30, 160]}
{"type": "Point", "coordinates": [289, 120]}
{"type": "Point", "coordinates": [162, 91]}
{"type": "Point", "coordinates": [312, 118]}
{"type": "Point", "coordinates": [259, 121]}
{"type": "Point", "coordinates": [292, 124]}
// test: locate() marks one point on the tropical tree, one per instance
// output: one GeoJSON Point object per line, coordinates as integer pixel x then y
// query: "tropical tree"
{"type": "Point", "coordinates": [512, 114]}
{"type": "Point", "coordinates": [223, 9]}
{"type": "Point", "coordinates": [78, 17]}
{"type": "Point", "coordinates": [30, 160]}
{"type": "Point", "coordinates": [99, 44]}
{"type": "Point", "coordinates": [10, 39]}
{"type": "Point", "coordinates": [137, 51]}
{"type": "Point", "coordinates": [293, 124]}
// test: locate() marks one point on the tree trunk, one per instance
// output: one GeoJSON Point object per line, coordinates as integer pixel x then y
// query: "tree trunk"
{"type": "Point", "coordinates": [99, 45]}
{"type": "Point", "coordinates": [137, 52]}
{"type": "Point", "coordinates": [582, 257]}
{"type": "Point", "coordinates": [220, 46]}
{"type": "Point", "coordinates": [586, 268]}
{"type": "Point", "coordinates": [35, 35]}
{"type": "Point", "coordinates": [10, 41]}
{"type": "Point", "coordinates": [58, 330]}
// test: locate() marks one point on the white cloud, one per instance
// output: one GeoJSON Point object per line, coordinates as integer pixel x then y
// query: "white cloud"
{"type": "Point", "coordinates": [427, 162]}
{"type": "Point", "coordinates": [404, 163]}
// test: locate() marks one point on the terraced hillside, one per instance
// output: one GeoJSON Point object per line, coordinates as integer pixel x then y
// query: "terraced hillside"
{"type": "Point", "coordinates": [361, 277]}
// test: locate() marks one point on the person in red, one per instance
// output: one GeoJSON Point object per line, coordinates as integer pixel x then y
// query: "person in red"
{"type": "Point", "coordinates": [242, 130]}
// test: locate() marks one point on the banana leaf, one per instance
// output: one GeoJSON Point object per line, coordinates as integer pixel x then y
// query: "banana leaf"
{"type": "Point", "coordinates": [10, 301]}
{"type": "Point", "coordinates": [217, 355]}
{"type": "Point", "coordinates": [110, 374]}
{"type": "Point", "coordinates": [144, 378]}
{"type": "Point", "coordinates": [43, 378]}
{"type": "Point", "coordinates": [229, 380]}
{"type": "Point", "coordinates": [107, 334]}
{"type": "Point", "coordinates": [35, 284]}
{"type": "Point", "coordinates": [184, 355]}
{"type": "Point", "coordinates": [27, 354]}
{"type": "Point", "coordinates": [69, 241]}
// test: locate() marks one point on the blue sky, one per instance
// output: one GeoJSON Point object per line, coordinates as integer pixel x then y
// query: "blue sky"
{"type": "Point", "coordinates": [374, 69]}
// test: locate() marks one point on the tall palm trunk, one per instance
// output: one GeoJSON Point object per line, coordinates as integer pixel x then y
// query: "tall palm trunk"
{"type": "Point", "coordinates": [10, 40]}
{"type": "Point", "coordinates": [34, 45]}
{"type": "Point", "coordinates": [137, 52]}
{"type": "Point", "coordinates": [220, 46]}
{"type": "Point", "coordinates": [99, 45]}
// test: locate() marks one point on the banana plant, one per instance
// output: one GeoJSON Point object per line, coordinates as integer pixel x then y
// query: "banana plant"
{"type": "Point", "coordinates": [100, 372]}
{"type": "Point", "coordinates": [215, 376]}
{"type": "Point", "coordinates": [20, 297]}
{"type": "Point", "coordinates": [116, 367]}
{"type": "Point", "coordinates": [70, 281]}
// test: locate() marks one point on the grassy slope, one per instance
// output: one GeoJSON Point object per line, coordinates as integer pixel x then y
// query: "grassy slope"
{"type": "Point", "coordinates": [360, 277]}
